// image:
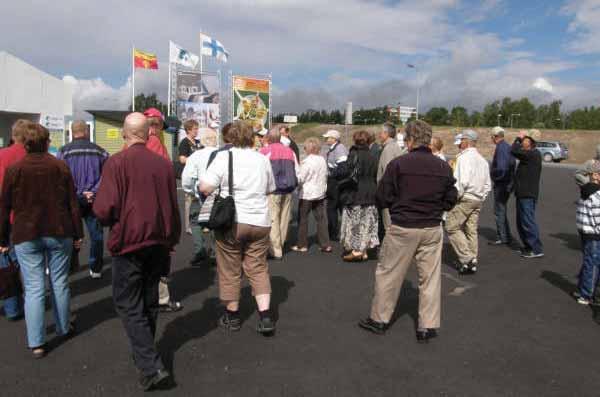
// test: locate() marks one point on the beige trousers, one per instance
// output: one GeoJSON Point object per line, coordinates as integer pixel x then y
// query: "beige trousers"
{"type": "Point", "coordinates": [400, 247]}
{"type": "Point", "coordinates": [387, 218]}
{"type": "Point", "coordinates": [163, 291]}
{"type": "Point", "coordinates": [281, 211]}
{"type": "Point", "coordinates": [461, 225]}
{"type": "Point", "coordinates": [189, 198]}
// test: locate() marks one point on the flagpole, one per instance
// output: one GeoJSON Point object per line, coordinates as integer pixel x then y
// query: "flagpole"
{"type": "Point", "coordinates": [133, 79]}
{"type": "Point", "coordinates": [201, 45]}
{"type": "Point", "coordinates": [170, 75]}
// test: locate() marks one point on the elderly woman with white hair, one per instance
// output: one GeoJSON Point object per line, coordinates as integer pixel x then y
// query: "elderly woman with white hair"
{"type": "Point", "coordinates": [195, 167]}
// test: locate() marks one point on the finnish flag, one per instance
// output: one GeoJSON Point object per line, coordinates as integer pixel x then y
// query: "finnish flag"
{"type": "Point", "coordinates": [213, 48]}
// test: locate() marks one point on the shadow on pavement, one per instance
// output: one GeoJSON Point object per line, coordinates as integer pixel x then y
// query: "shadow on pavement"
{"type": "Point", "coordinates": [571, 241]}
{"type": "Point", "coordinates": [408, 303]}
{"type": "Point", "coordinates": [559, 281]}
{"type": "Point", "coordinates": [199, 323]}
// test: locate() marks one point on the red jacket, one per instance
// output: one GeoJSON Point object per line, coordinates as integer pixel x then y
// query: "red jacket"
{"type": "Point", "coordinates": [137, 199]}
{"type": "Point", "coordinates": [8, 157]}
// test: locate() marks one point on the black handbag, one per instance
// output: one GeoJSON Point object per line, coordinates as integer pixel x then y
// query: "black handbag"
{"type": "Point", "coordinates": [351, 173]}
{"type": "Point", "coordinates": [222, 215]}
{"type": "Point", "coordinates": [10, 281]}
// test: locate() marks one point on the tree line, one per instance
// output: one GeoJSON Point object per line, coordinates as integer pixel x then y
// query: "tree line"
{"type": "Point", "coordinates": [507, 112]}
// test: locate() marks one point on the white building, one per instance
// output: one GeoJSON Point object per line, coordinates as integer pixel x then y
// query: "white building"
{"type": "Point", "coordinates": [29, 93]}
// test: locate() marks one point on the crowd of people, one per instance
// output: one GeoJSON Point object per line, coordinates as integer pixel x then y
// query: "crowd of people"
{"type": "Point", "coordinates": [390, 197]}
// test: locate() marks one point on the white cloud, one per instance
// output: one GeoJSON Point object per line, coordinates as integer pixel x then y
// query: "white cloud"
{"type": "Point", "coordinates": [484, 10]}
{"type": "Point", "coordinates": [585, 25]}
{"type": "Point", "coordinates": [543, 85]}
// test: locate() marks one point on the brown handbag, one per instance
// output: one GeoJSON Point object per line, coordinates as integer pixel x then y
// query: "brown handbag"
{"type": "Point", "coordinates": [10, 280]}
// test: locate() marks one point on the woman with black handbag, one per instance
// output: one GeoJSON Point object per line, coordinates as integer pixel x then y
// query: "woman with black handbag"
{"type": "Point", "coordinates": [357, 185]}
{"type": "Point", "coordinates": [242, 223]}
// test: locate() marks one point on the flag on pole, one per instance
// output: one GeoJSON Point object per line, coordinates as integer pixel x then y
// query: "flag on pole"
{"type": "Point", "coordinates": [182, 56]}
{"type": "Point", "coordinates": [213, 48]}
{"type": "Point", "coordinates": [144, 60]}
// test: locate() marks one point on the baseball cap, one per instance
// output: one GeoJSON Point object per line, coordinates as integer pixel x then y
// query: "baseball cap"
{"type": "Point", "coordinates": [332, 134]}
{"type": "Point", "coordinates": [466, 134]}
{"type": "Point", "coordinates": [153, 112]}
{"type": "Point", "coordinates": [498, 131]}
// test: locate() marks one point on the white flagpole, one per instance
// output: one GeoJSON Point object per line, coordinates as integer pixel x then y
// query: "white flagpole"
{"type": "Point", "coordinates": [201, 46]}
{"type": "Point", "coordinates": [170, 75]}
{"type": "Point", "coordinates": [133, 79]}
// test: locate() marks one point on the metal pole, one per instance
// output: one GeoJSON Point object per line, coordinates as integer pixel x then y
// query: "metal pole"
{"type": "Point", "coordinates": [169, 92]}
{"type": "Point", "coordinates": [418, 91]}
{"type": "Point", "coordinates": [201, 45]}
{"type": "Point", "coordinates": [133, 79]}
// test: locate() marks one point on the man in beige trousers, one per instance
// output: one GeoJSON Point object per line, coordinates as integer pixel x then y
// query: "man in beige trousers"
{"type": "Point", "coordinates": [473, 182]}
{"type": "Point", "coordinates": [415, 232]}
{"type": "Point", "coordinates": [390, 151]}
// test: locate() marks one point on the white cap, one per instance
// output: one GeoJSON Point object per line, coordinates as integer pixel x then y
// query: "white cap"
{"type": "Point", "coordinates": [498, 131]}
{"type": "Point", "coordinates": [332, 134]}
{"type": "Point", "coordinates": [263, 132]}
{"type": "Point", "coordinates": [466, 134]}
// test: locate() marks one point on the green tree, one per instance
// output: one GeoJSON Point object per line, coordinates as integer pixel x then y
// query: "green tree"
{"type": "Point", "coordinates": [143, 102]}
{"type": "Point", "coordinates": [459, 117]}
{"type": "Point", "coordinates": [437, 116]}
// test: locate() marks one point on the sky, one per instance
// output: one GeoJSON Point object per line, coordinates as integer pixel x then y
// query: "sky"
{"type": "Point", "coordinates": [322, 54]}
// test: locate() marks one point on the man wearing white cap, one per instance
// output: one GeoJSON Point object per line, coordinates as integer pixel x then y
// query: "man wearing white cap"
{"type": "Point", "coordinates": [503, 178]}
{"type": "Point", "coordinates": [335, 155]}
{"type": "Point", "coordinates": [472, 174]}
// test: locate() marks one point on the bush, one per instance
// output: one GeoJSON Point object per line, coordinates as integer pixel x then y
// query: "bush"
{"type": "Point", "coordinates": [539, 126]}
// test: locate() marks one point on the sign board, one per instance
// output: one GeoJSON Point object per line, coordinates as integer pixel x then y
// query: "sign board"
{"type": "Point", "coordinates": [112, 133]}
{"type": "Point", "coordinates": [52, 122]}
{"type": "Point", "coordinates": [290, 119]}
{"type": "Point", "coordinates": [198, 98]}
{"type": "Point", "coordinates": [252, 101]}
{"type": "Point", "coordinates": [406, 113]}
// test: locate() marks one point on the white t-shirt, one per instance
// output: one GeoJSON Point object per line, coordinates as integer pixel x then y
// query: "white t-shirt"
{"type": "Point", "coordinates": [252, 182]}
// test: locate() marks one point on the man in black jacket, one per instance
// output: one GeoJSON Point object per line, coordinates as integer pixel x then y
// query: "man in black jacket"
{"type": "Point", "coordinates": [416, 188]}
{"type": "Point", "coordinates": [527, 189]}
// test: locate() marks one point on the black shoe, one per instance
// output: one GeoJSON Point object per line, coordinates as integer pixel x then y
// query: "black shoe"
{"type": "Point", "coordinates": [423, 336]}
{"type": "Point", "coordinates": [473, 266]}
{"type": "Point", "coordinates": [15, 319]}
{"type": "Point", "coordinates": [373, 326]}
{"type": "Point", "coordinates": [266, 326]}
{"type": "Point", "coordinates": [160, 379]}
{"type": "Point", "coordinates": [230, 322]}
{"type": "Point", "coordinates": [463, 268]}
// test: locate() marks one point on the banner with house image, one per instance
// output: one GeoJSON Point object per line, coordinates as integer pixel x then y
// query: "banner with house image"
{"type": "Point", "coordinates": [197, 98]}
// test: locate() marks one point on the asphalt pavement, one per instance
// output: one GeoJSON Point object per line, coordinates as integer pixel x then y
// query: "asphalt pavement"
{"type": "Point", "coordinates": [510, 330]}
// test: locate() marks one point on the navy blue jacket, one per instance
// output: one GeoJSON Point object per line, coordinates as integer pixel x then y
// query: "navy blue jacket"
{"type": "Point", "coordinates": [503, 165]}
{"type": "Point", "coordinates": [85, 159]}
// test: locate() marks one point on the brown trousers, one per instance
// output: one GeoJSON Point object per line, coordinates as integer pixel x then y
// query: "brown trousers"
{"type": "Point", "coordinates": [243, 248]}
{"type": "Point", "coordinates": [317, 207]}
{"type": "Point", "coordinates": [400, 247]}
{"type": "Point", "coordinates": [461, 225]}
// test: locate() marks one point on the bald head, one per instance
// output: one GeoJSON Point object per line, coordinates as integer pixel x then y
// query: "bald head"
{"type": "Point", "coordinates": [135, 128]}
{"type": "Point", "coordinates": [79, 129]}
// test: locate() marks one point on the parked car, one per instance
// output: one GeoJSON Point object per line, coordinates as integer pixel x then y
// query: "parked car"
{"type": "Point", "coordinates": [553, 151]}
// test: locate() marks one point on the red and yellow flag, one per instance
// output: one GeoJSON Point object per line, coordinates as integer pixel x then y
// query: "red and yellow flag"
{"type": "Point", "coordinates": [144, 60]}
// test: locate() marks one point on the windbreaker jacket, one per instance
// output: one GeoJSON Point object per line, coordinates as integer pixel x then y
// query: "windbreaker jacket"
{"type": "Point", "coordinates": [472, 174]}
{"type": "Point", "coordinates": [284, 165]}
{"type": "Point", "coordinates": [85, 160]}
{"type": "Point", "coordinates": [529, 171]}
{"type": "Point", "coordinates": [503, 165]}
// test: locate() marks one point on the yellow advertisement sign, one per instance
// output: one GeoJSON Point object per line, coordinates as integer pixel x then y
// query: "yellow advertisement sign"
{"type": "Point", "coordinates": [113, 133]}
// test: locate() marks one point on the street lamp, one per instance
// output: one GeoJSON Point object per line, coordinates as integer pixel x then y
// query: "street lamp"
{"type": "Point", "coordinates": [499, 116]}
{"type": "Point", "coordinates": [418, 86]}
{"type": "Point", "coordinates": [512, 116]}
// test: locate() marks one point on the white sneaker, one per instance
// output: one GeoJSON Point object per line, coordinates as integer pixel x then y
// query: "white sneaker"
{"type": "Point", "coordinates": [95, 275]}
{"type": "Point", "coordinates": [583, 301]}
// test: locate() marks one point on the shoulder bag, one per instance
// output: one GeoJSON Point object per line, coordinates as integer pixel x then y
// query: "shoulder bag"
{"type": "Point", "coordinates": [10, 281]}
{"type": "Point", "coordinates": [222, 215]}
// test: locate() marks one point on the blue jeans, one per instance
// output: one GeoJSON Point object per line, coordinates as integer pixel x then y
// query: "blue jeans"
{"type": "Point", "coordinates": [34, 256]}
{"type": "Point", "coordinates": [96, 232]}
{"type": "Point", "coordinates": [501, 197]}
{"type": "Point", "coordinates": [527, 226]}
{"type": "Point", "coordinates": [590, 269]}
{"type": "Point", "coordinates": [13, 306]}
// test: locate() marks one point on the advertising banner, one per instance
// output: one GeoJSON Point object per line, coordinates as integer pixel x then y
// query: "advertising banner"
{"type": "Point", "coordinates": [251, 101]}
{"type": "Point", "coordinates": [197, 98]}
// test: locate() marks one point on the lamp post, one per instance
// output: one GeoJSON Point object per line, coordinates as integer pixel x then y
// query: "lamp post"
{"type": "Point", "coordinates": [512, 116]}
{"type": "Point", "coordinates": [499, 116]}
{"type": "Point", "coordinates": [418, 86]}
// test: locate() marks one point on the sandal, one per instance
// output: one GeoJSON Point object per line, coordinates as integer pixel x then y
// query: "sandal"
{"type": "Point", "coordinates": [354, 258]}
{"type": "Point", "coordinates": [327, 250]}
{"type": "Point", "coordinates": [299, 249]}
{"type": "Point", "coordinates": [170, 307]}
{"type": "Point", "coordinates": [38, 352]}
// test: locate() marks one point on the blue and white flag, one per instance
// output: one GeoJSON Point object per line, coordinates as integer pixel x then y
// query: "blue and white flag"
{"type": "Point", "coordinates": [181, 56]}
{"type": "Point", "coordinates": [213, 48]}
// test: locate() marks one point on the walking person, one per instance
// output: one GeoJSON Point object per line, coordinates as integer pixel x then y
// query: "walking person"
{"type": "Point", "coordinates": [472, 174]}
{"type": "Point", "coordinates": [502, 174]}
{"type": "Point", "coordinates": [417, 188]}
{"type": "Point", "coordinates": [85, 160]}
{"type": "Point", "coordinates": [527, 190]}
{"type": "Point", "coordinates": [39, 193]}
{"type": "Point", "coordinates": [186, 148]}
{"type": "Point", "coordinates": [360, 219]}
{"type": "Point", "coordinates": [588, 225]}
{"type": "Point", "coordinates": [312, 180]}
{"type": "Point", "coordinates": [195, 167]}
{"type": "Point", "coordinates": [335, 155]}
{"type": "Point", "coordinates": [143, 232]}
{"type": "Point", "coordinates": [13, 306]}
{"type": "Point", "coordinates": [389, 152]}
{"type": "Point", "coordinates": [285, 170]}
{"type": "Point", "coordinates": [243, 249]}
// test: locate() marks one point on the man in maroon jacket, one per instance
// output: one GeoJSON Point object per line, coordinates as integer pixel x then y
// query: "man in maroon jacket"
{"type": "Point", "coordinates": [137, 199]}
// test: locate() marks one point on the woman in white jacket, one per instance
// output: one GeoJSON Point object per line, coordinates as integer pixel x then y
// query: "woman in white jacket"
{"type": "Point", "coordinates": [312, 179]}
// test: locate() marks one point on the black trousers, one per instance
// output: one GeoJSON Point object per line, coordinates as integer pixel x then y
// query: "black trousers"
{"type": "Point", "coordinates": [317, 207]}
{"type": "Point", "coordinates": [135, 294]}
{"type": "Point", "coordinates": [333, 209]}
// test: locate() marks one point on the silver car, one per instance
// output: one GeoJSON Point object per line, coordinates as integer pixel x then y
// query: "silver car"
{"type": "Point", "coordinates": [553, 151]}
